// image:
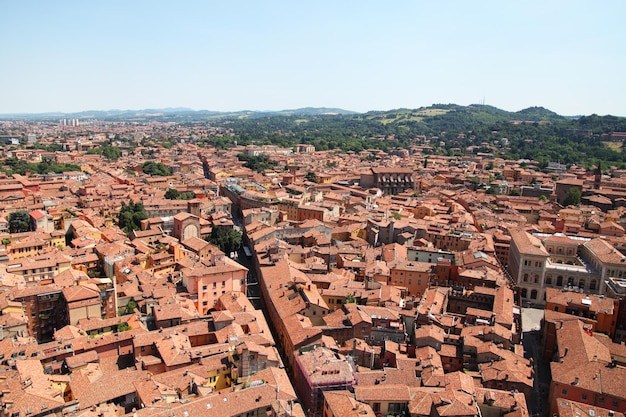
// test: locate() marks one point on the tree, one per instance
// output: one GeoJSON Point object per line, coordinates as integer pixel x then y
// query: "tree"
{"type": "Point", "coordinates": [19, 221]}
{"type": "Point", "coordinates": [6, 241]}
{"type": "Point", "coordinates": [129, 308]}
{"type": "Point", "coordinates": [573, 197]}
{"type": "Point", "coordinates": [172, 194]}
{"type": "Point", "coordinates": [228, 240]}
{"type": "Point", "coordinates": [311, 176]}
{"type": "Point", "coordinates": [257, 163]}
{"type": "Point", "coordinates": [122, 327]}
{"type": "Point", "coordinates": [130, 217]}
{"type": "Point", "coordinates": [350, 299]}
{"type": "Point", "coordinates": [155, 168]}
{"type": "Point", "coordinates": [109, 152]}
{"type": "Point", "coordinates": [542, 197]}
{"type": "Point", "coordinates": [515, 192]}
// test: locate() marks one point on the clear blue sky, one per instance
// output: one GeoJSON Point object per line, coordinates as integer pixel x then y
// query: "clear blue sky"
{"type": "Point", "coordinates": [568, 56]}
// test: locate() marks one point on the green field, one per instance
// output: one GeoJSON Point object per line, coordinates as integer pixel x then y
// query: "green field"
{"type": "Point", "coordinates": [616, 146]}
{"type": "Point", "coordinates": [406, 115]}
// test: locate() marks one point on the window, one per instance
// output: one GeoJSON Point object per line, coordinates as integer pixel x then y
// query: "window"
{"type": "Point", "coordinates": [564, 391]}
{"type": "Point", "coordinates": [584, 397]}
{"type": "Point", "coordinates": [525, 277]}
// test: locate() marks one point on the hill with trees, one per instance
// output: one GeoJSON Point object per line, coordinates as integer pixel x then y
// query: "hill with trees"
{"type": "Point", "coordinates": [533, 133]}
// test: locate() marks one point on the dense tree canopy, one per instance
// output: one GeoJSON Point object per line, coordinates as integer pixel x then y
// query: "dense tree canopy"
{"type": "Point", "coordinates": [155, 168]}
{"type": "Point", "coordinates": [130, 217]}
{"type": "Point", "coordinates": [573, 197]}
{"type": "Point", "coordinates": [20, 221]}
{"type": "Point", "coordinates": [228, 240]}
{"type": "Point", "coordinates": [174, 194]}
{"type": "Point", "coordinates": [111, 153]}
{"type": "Point", "coordinates": [256, 163]}
{"type": "Point", "coordinates": [311, 176]}
{"type": "Point", "coordinates": [21, 167]}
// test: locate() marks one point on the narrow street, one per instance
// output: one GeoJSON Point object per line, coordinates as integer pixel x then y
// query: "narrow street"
{"type": "Point", "coordinates": [253, 292]}
{"type": "Point", "coordinates": [531, 340]}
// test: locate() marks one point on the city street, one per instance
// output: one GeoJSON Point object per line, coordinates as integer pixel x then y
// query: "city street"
{"type": "Point", "coordinates": [253, 291]}
{"type": "Point", "coordinates": [531, 340]}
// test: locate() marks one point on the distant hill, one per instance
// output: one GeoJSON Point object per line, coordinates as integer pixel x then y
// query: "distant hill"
{"type": "Point", "coordinates": [175, 113]}
{"type": "Point", "coordinates": [538, 114]}
{"type": "Point", "coordinates": [533, 133]}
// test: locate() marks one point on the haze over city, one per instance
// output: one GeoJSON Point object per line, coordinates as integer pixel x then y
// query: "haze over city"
{"type": "Point", "coordinates": [227, 56]}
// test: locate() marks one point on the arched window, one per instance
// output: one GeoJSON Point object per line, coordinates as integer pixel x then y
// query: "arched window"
{"type": "Point", "coordinates": [549, 280]}
{"type": "Point", "coordinates": [559, 281]}
{"type": "Point", "coordinates": [525, 277]}
{"type": "Point", "coordinates": [536, 278]}
{"type": "Point", "coordinates": [581, 284]}
{"type": "Point", "coordinates": [592, 284]}
{"type": "Point", "coordinates": [524, 293]}
{"type": "Point", "coordinates": [533, 294]}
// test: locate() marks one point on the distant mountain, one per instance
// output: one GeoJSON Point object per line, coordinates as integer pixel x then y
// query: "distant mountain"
{"type": "Point", "coordinates": [176, 113]}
